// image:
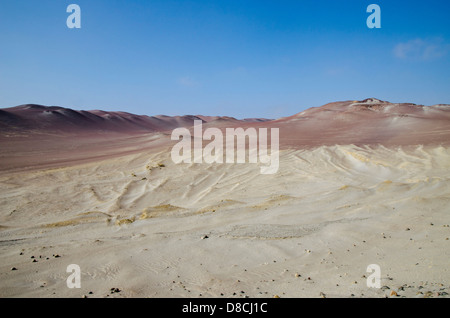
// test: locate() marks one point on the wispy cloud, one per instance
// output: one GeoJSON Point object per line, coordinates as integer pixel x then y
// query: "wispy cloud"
{"type": "Point", "coordinates": [188, 82]}
{"type": "Point", "coordinates": [422, 49]}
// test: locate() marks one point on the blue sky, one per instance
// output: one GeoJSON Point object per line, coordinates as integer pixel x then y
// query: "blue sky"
{"type": "Point", "coordinates": [246, 58]}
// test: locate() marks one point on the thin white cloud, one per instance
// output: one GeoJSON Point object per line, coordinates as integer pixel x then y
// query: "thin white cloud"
{"type": "Point", "coordinates": [422, 49]}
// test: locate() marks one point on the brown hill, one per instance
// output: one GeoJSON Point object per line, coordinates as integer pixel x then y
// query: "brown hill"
{"type": "Point", "coordinates": [34, 135]}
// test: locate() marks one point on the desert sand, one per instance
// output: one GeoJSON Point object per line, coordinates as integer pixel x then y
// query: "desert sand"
{"type": "Point", "coordinates": [344, 197]}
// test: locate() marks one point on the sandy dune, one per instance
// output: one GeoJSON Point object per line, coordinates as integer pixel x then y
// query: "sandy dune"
{"type": "Point", "coordinates": [116, 205]}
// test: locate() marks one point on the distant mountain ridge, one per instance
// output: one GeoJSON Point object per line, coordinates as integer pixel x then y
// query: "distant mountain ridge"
{"type": "Point", "coordinates": [32, 117]}
{"type": "Point", "coordinates": [366, 122]}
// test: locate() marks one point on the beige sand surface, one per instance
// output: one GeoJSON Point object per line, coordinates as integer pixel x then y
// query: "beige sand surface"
{"type": "Point", "coordinates": [137, 222]}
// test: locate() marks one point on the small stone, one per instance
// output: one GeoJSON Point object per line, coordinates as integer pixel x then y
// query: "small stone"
{"type": "Point", "coordinates": [322, 295]}
{"type": "Point", "coordinates": [297, 275]}
{"type": "Point", "coordinates": [13, 269]}
{"type": "Point", "coordinates": [276, 296]}
{"type": "Point", "coordinates": [393, 293]}
{"type": "Point", "coordinates": [204, 237]}
{"type": "Point", "coordinates": [408, 229]}
{"type": "Point", "coordinates": [34, 261]}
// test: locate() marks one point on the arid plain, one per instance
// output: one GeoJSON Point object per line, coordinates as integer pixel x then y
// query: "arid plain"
{"type": "Point", "coordinates": [359, 183]}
